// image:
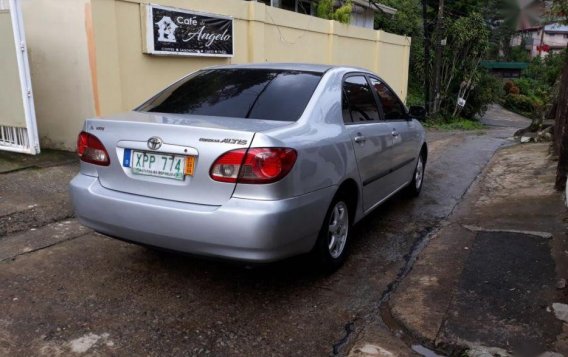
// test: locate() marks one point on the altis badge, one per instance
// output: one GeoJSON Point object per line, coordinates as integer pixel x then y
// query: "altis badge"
{"type": "Point", "coordinates": [225, 141]}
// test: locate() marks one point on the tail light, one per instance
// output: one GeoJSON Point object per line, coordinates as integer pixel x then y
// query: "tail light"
{"type": "Point", "coordinates": [255, 165]}
{"type": "Point", "coordinates": [91, 150]}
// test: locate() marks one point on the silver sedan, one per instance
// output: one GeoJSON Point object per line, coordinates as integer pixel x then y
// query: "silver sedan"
{"type": "Point", "coordinates": [251, 162]}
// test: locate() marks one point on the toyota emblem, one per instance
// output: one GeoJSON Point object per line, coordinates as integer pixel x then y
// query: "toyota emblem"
{"type": "Point", "coordinates": [154, 143]}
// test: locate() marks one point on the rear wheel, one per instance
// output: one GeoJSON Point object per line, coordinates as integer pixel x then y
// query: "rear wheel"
{"type": "Point", "coordinates": [333, 241]}
{"type": "Point", "coordinates": [413, 189]}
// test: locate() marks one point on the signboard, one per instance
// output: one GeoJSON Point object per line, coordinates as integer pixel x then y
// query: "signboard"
{"type": "Point", "coordinates": [177, 32]}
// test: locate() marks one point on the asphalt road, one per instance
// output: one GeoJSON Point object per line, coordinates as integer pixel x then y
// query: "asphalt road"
{"type": "Point", "coordinates": [95, 295]}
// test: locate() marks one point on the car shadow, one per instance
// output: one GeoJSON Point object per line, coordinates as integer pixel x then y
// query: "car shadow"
{"type": "Point", "coordinates": [296, 270]}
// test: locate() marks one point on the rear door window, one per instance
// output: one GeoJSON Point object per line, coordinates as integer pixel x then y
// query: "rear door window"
{"type": "Point", "coordinates": [240, 93]}
{"type": "Point", "coordinates": [393, 108]}
{"type": "Point", "coordinates": [360, 99]}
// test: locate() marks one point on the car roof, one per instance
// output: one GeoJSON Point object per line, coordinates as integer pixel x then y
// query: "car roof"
{"type": "Point", "coordinates": [309, 67]}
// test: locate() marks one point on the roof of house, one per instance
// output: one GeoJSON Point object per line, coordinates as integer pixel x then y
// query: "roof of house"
{"type": "Point", "coordinates": [373, 4]}
{"type": "Point", "coordinates": [504, 65]}
{"type": "Point", "coordinates": [556, 28]}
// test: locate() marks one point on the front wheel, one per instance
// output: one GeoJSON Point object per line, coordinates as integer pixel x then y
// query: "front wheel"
{"type": "Point", "coordinates": [413, 189]}
{"type": "Point", "coordinates": [333, 241]}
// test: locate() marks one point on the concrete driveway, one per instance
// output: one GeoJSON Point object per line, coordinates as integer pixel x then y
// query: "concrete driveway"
{"type": "Point", "coordinates": [67, 290]}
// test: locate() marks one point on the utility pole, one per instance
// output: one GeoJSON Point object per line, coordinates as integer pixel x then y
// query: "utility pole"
{"type": "Point", "coordinates": [427, 72]}
{"type": "Point", "coordinates": [561, 130]}
{"type": "Point", "coordinates": [541, 39]}
{"type": "Point", "coordinates": [438, 58]}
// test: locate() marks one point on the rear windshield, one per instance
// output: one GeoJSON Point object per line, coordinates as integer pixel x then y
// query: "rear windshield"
{"type": "Point", "coordinates": [240, 93]}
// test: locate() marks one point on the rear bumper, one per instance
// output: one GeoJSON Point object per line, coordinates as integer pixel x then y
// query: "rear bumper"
{"type": "Point", "coordinates": [241, 229]}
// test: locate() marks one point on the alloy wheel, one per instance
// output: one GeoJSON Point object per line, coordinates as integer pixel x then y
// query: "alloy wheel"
{"type": "Point", "coordinates": [419, 175]}
{"type": "Point", "coordinates": [338, 229]}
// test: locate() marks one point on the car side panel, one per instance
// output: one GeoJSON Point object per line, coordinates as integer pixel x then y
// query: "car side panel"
{"type": "Point", "coordinates": [406, 147]}
{"type": "Point", "coordinates": [325, 154]}
{"type": "Point", "coordinates": [373, 160]}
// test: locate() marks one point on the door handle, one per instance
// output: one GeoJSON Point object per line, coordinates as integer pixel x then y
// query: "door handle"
{"type": "Point", "coordinates": [360, 139]}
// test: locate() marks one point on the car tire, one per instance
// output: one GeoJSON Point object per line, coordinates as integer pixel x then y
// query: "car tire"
{"type": "Point", "coordinates": [415, 186]}
{"type": "Point", "coordinates": [332, 246]}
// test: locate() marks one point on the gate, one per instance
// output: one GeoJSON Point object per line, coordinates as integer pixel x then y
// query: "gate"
{"type": "Point", "coordinates": [18, 129]}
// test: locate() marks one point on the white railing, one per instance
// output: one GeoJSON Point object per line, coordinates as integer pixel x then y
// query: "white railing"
{"type": "Point", "coordinates": [18, 139]}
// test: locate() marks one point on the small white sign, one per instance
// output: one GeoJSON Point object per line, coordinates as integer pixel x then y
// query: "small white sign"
{"type": "Point", "coordinates": [461, 102]}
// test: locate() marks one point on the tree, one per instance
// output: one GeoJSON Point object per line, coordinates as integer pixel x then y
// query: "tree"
{"type": "Point", "coordinates": [326, 10]}
{"type": "Point", "coordinates": [561, 112]}
{"type": "Point", "coordinates": [417, 18]}
{"type": "Point", "coordinates": [407, 22]}
{"type": "Point", "coordinates": [467, 42]}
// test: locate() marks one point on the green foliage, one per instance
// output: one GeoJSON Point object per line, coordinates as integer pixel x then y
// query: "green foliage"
{"type": "Point", "coordinates": [343, 13]}
{"type": "Point", "coordinates": [518, 54]}
{"type": "Point", "coordinates": [415, 95]}
{"type": "Point", "coordinates": [406, 22]}
{"type": "Point", "coordinates": [547, 70]}
{"type": "Point", "coordinates": [326, 10]}
{"type": "Point", "coordinates": [560, 8]}
{"type": "Point", "coordinates": [453, 124]}
{"type": "Point", "coordinates": [465, 7]}
{"type": "Point", "coordinates": [504, 17]}
{"type": "Point", "coordinates": [520, 103]}
{"type": "Point", "coordinates": [524, 85]}
{"type": "Point", "coordinates": [467, 43]}
{"type": "Point", "coordinates": [486, 91]}
{"type": "Point", "coordinates": [532, 94]}
{"type": "Point", "coordinates": [468, 40]}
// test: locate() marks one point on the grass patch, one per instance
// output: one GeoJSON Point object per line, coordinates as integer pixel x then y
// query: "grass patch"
{"type": "Point", "coordinates": [454, 124]}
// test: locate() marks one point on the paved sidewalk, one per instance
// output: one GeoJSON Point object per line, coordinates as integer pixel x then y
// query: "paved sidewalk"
{"type": "Point", "coordinates": [492, 278]}
{"type": "Point", "coordinates": [34, 189]}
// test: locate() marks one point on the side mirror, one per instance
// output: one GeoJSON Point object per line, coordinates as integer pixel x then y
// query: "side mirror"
{"type": "Point", "coordinates": [417, 112]}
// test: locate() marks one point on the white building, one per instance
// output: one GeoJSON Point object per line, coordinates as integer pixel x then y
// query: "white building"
{"type": "Point", "coordinates": [362, 15]}
{"type": "Point", "coordinates": [541, 41]}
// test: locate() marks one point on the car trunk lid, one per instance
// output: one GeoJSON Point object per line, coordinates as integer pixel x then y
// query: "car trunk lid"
{"type": "Point", "coordinates": [202, 138]}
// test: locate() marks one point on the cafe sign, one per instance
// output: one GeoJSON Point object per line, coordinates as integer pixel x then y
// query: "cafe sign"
{"type": "Point", "coordinates": [178, 32]}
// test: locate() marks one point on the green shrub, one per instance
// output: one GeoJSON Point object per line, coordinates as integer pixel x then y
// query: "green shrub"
{"type": "Point", "coordinates": [486, 91]}
{"type": "Point", "coordinates": [519, 103]}
{"type": "Point", "coordinates": [415, 96]}
{"type": "Point", "coordinates": [326, 10]}
{"type": "Point", "coordinates": [525, 85]}
{"type": "Point", "coordinates": [448, 123]}
{"type": "Point", "coordinates": [534, 90]}
{"type": "Point", "coordinates": [546, 70]}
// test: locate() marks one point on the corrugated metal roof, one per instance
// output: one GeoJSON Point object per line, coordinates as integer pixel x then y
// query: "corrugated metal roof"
{"type": "Point", "coordinates": [556, 28]}
{"type": "Point", "coordinates": [504, 65]}
{"type": "Point", "coordinates": [372, 4]}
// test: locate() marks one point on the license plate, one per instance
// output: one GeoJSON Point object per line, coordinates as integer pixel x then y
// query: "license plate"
{"type": "Point", "coordinates": [160, 165]}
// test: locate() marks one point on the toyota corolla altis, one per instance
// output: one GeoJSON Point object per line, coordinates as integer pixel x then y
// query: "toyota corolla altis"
{"type": "Point", "coordinates": [250, 162]}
